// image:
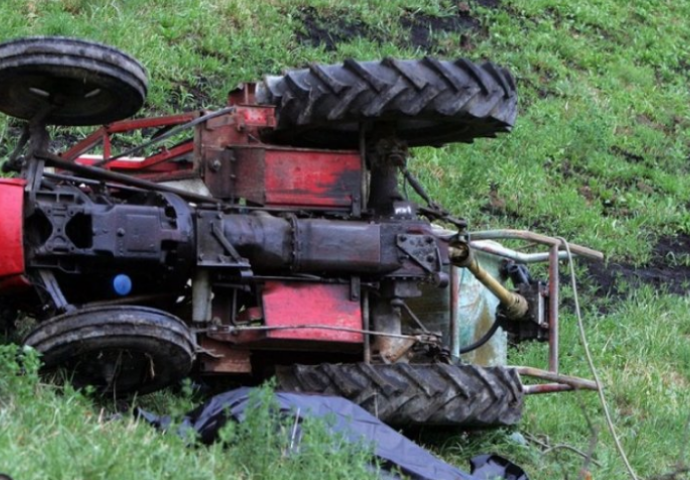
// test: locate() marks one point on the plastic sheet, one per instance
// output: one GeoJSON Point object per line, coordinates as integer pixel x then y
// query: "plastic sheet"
{"type": "Point", "coordinates": [393, 450]}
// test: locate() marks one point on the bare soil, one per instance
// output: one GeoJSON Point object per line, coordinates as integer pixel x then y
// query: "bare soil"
{"type": "Point", "coordinates": [668, 271]}
{"type": "Point", "coordinates": [324, 30]}
{"type": "Point", "coordinates": [327, 28]}
{"type": "Point", "coordinates": [424, 29]}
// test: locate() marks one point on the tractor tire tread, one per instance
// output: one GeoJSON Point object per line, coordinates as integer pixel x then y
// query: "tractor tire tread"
{"type": "Point", "coordinates": [433, 101]}
{"type": "Point", "coordinates": [418, 394]}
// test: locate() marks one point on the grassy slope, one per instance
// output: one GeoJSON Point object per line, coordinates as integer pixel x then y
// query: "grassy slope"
{"type": "Point", "coordinates": [599, 156]}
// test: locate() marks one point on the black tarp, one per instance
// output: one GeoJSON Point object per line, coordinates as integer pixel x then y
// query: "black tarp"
{"type": "Point", "coordinates": [354, 423]}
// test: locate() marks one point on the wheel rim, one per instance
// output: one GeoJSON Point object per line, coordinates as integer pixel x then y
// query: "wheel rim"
{"type": "Point", "coordinates": [79, 82]}
{"type": "Point", "coordinates": [116, 350]}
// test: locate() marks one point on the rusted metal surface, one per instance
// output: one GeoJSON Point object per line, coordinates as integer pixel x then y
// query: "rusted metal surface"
{"type": "Point", "coordinates": [104, 134]}
{"type": "Point", "coordinates": [554, 281]}
{"type": "Point", "coordinates": [556, 378]}
{"type": "Point", "coordinates": [274, 176]}
{"type": "Point", "coordinates": [547, 388]}
{"type": "Point", "coordinates": [244, 94]}
{"type": "Point", "coordinates": [155, 164]}
{"type": "Point", "coordinates": [212, 138]}
{"type": "Point", "coordinates": [284, 306]}
{"type": "Point", "coordinates": [102, 174]}
{"type": "Point", "coordinates": [221, 357]}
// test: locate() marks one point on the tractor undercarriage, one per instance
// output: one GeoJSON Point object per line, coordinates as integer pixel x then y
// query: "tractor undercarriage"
{"type": "Point", "coordinates": [273, 239]}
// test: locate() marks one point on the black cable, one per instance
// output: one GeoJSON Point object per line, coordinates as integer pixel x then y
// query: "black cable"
{"type": "Point", "coordinates": [487, 336]}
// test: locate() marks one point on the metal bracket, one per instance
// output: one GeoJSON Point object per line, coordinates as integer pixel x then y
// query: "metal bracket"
{"type": "Point", "coordinates": [422, 249]}
{"type": "Point", "coordinates": [213, 248]}
{"type": "Point", "coordinates": [53, 288]}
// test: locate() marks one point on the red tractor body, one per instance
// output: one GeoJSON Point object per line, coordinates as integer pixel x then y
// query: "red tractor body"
{"type": "Point", "coordinates": [271, 238]}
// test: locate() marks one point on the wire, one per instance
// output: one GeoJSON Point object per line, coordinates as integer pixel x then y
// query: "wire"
{"type": "Point", "coordinates": [590, 362]}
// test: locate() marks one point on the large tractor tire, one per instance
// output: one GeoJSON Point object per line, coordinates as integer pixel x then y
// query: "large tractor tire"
{"type": "Point", "coordinates": [69, 81]}
{"type": "Point", "coordinates": [408, 395]}
{"type": "Point", "coordinates": [118, 350]}
{"type": "Point", "coordinates": [426, 102]}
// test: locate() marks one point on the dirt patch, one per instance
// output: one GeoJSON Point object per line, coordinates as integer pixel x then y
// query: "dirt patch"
{"type": "Point", "coordinates": [424, 28]}
{"type": "Point", "coordinates": [328, 30]}
{"type": "Point", "coordinates": [668, 271]}
{"type": "Point", "coordinates": [425, 32]}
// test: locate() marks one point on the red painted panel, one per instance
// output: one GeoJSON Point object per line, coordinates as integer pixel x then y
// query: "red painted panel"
{"type": "Point", "coordinates": [315, 178]}
{"type": "Point", "coordinates": [312, 304]}
{"type": "Point", "coordinates": [12, 208]}
{"type": "Point", "coordinates": [14, 283]}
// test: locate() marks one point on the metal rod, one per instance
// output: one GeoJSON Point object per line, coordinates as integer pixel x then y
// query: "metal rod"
{"type": "Point", "coordinates": [89, 181]}
{"type": "Point", "coordinates": [553, 309]}
{"type": "Point", "coordinates": [453, 305]}
{"type": "Point", "coordinates": [519, 257]}
{"type": "Point", "coordinates": [546, 388]}
{"type": "Point", "coordinates": [366, 326]}
{"type": "Point", "coordinates": [574, 382]}
{"type": "Point", "coordinates": [134, 299]}
{"type": "Point", "coordinates": [534, 237]}
{"type": "Point", "coordinates": [100, 173]}
{"type": "Point", "coordinates": [233, 330]}
{"type": "Point", "coordinates": [172, 132]}
{"type": "Point", "coordinates": [364, 184]}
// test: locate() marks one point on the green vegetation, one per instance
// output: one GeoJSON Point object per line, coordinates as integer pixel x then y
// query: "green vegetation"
{"type": "Point", "coordinates": [58, 433]}
{"type": "Point", "coordinates": [599, 156]}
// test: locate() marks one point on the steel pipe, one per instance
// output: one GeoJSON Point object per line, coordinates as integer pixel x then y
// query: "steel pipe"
{"type": "Point", "coordinates": [497, 249]}
{"type": "Point", "coordinates": [575, 383]}
{"type": "Point", "coordinates": [546, 388]}
{"type": "Point", "coordinates": [534, 237]}
{"type": "Point", "coordinates": [553, 308]}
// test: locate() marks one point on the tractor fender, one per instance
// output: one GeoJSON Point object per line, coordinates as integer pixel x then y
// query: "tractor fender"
{"type": "Point", "coordinates": [11, 234]}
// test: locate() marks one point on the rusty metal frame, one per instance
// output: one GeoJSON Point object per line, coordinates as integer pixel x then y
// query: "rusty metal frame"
{"type": "Point", "coordinates": [104, 136]}
{"type": "Point", "coordinates": [553, 256]}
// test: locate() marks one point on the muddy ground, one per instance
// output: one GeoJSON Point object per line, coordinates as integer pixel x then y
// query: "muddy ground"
{"type": "Point", "coordinates": [668, 271]}
{"type": "Point", "coordinates": [424, 32]}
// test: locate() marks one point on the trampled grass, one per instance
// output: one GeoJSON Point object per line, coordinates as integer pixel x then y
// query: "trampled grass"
{"type": "Point", "coordinates": [599, 155]}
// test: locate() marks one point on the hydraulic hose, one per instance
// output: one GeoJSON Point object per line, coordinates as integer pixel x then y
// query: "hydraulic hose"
{"type": "Point", "coordinates": [485, 338]}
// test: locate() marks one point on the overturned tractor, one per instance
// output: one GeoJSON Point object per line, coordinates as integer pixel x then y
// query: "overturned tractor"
{"type": "Point", "coordinates": [271, 239]}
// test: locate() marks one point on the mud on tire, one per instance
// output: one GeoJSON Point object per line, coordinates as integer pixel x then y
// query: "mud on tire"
{"type": "Point", "coordinates": [405, 395]}
{"type": "Point", "coordinates": [118, 350]}
{"type": "Point", "coordinates": [428, 101]}
{"type": "Point", "coordinates": [84, 82]}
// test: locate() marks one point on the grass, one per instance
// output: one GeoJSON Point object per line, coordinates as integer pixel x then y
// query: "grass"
{"type": "Point", "coordinates": [599, 155]}
{"type": "Point", "coordinates": [58, 433]}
